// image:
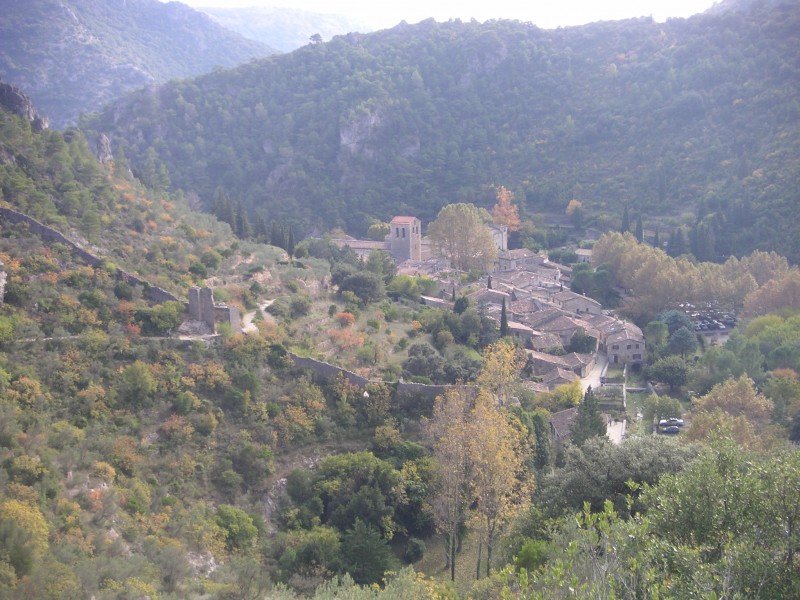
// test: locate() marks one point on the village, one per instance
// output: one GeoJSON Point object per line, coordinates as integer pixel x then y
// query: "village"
{"type": "Point", "coordinates": [542, 313]}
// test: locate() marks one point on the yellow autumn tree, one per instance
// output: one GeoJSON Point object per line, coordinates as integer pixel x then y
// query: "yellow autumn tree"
{"type": "Point", "coordinates": [449, 433]}
{"type": "Point", "coordinates": [499, 483]}
{"type": "Point", "coordinates": [24, 535]}
{"type": "Point", "coordinates": [505, 211]}
{"type": "Point", "coordinates": [503, 362]}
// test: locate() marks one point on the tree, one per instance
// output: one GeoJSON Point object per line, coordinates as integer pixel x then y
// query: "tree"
{"type": "Point", "coordinates": [461, 235]}
{"type": "Point", "coordinates": [381, 264]}
{"type": "Point", "coordinates": [598, 470]}
{"type": "Point", "coordinates": [626, 221]}
{"type": "Point", "coordinates": [365, 554]}
{"type": "Point", "coordinates": [683, 342]}
{"type": "Point", "coordinates": [240, 532]}
{"type": "Point", "coordinates": [589, 422]}
{"type": "Point", "coordinates": [657, 334]}
{"type": "Point", "coordinates": [23, 535]}
{"type": "Point", "coordinates": [137, 384]}
{"type": "Point", "coordinates": [737, 397]}
{"type": "Point", "coordinates": [581, 342]}
{"type": "Point", "coordinates": [503, 320]}
{"type": "Point", "coordinates": [575, 212]}
{"type": "Point", "coordinates": [505, 211]}
{"type": "Point", "coordinates": [497, 456]}
{"type": "Point", "coordinates": [502, 364]}
{"type": "Point", "coordinates": [367, 286]}
{"type": "Point", "coordinates": [674, 320]}
{"type": "Point", "coordinates": [660, 407]}
{"type": "Point", "coordinates": [449, 432]}
{"type": "Point", "coordinates": [639, 232]}
{"type": "Point", "coordinates": [670, 370]}
{"type": "Point", "coordinates": [167, 316]}
{"type": "Point", "coordinates": [378, 230]}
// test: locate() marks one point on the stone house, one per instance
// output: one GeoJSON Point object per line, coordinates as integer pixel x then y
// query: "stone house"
{"type": "Point", "coordinates": [624, 344]}
{"type": "Point", "coordinates": [578, 364]}
{"type": "Point", "coordinates": [571, 302]}
{"type": "Point", "coordinates": [556, 377]}
{"type": "Point", "coordinates": [516, 260]}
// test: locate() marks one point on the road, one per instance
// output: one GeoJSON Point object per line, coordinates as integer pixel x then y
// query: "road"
{"type": "Point", "coordinates": [616, 429]}
{"type": "Point", "coordinates": [593, 377]}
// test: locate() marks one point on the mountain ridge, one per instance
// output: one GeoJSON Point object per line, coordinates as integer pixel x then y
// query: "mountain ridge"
{"type": "Point", "coordinates": [690, 116]}
{"type": "Point", "coordinates": [73, 56]}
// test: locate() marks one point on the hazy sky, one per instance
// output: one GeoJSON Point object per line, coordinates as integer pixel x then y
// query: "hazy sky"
{"type": "Point", "coordinates": [544, 13]}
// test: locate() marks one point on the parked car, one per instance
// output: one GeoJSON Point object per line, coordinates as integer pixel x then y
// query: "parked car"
{"type": "Point", "coordinates": [671, 430]}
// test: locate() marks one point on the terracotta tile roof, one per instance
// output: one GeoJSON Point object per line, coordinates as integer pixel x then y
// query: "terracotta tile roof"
{"type": "Point", "coordinates": [562, 422]}
{"type": "Point", "coordinates": [403, 220]}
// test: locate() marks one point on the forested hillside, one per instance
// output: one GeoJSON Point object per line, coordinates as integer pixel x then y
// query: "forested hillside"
{"type": "Point", "coordinates": [74, 56]}
{"type": "Point", "coordinates": [688, 122]}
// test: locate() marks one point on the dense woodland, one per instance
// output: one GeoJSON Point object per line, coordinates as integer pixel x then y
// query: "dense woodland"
{"type": "Point", "coordinates": [686, 123]}
{"type": "Point", "coordinates": [140, 459]}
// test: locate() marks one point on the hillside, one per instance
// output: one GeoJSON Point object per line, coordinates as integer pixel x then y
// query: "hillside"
{"type": "Point", "coordinates": [74, 56]}
{"type": "Point", "coordinates": [690, 120]}
{"type": "Point", "coordinates": [285, 29]}
{"type": "Point", "coordinates": [141, 460]}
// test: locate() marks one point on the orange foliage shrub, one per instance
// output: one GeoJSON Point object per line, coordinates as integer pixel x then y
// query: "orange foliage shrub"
{"type": "Point", "coordinates": [345, 319]}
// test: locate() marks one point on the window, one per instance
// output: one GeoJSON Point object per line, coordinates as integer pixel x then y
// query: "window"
{"type": "Point", "coordinates": [637, 346]}
{"type": "Point", "coordinates": [637, 357]}
{"type": "Point", "coordinates": [615, 347]}
{"type": "Point", "coordinates": [629, 346]}
{"type": "Point", "coordinates": [404, 233]}
{"type": "Point", "coordinates": [396, 232]}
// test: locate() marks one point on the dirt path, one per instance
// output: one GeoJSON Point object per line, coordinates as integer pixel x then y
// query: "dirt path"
{"type": "Point", "coordinates": [248, 326]}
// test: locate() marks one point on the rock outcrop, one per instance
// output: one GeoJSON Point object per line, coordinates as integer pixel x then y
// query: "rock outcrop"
{"type": "Point", "coordinates": [14, 100]}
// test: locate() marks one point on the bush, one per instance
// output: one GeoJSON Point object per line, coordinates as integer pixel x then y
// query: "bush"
{"type": "Point", "coordinates": [415, 550]}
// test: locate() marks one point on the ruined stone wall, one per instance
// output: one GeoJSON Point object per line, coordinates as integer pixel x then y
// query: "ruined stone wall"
{"type": "Point", "coordinates": [417, 397]}
{"type": "Point", "coordinates": [327, 371]}
{"type": "Point", "coordinates": [228, 314]}
{"type": "Point", "coordinates": [48, 234]}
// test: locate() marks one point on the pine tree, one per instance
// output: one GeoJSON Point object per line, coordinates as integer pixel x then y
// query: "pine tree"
{"type": "Point", "coordinates": [639, 229]}
{"type": "Point", "coordinates": [656, 240]}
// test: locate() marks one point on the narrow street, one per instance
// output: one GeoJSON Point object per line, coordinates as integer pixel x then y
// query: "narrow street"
{"type": "Point", "coordinates": [593, 378]}
{"type": "Point", "coordinates": [616, 429]}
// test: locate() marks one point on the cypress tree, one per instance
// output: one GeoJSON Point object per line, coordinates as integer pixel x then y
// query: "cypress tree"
{"type": "Point", "coordinates": [626, 221]}
{"type": "Point", "coordinates": [503, 321]}
{"type": "Point", "coordinates": [589, 422]}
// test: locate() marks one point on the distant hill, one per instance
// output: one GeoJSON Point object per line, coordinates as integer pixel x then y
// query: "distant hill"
{"type": "Point", "coordinates": [283, 28]}
{"type": "Point", "coordinates": [73, 56]}
{"type": "Point", "coordinates": [691, 122]}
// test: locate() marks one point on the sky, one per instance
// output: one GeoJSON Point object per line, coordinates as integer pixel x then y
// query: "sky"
{"type": "Point", "coordinates": [547, 14]}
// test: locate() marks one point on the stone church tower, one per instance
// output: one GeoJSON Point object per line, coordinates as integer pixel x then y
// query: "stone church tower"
{"type": "Point", "coordinates": [405, 238]}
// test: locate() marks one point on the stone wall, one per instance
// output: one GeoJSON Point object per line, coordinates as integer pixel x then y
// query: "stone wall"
{"type": "Point", "coordinates": [48, 234]}
{"type": "Point", "coordinates": [327, 371]}
{"type": "Point", "coordinates": [416, 396]}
